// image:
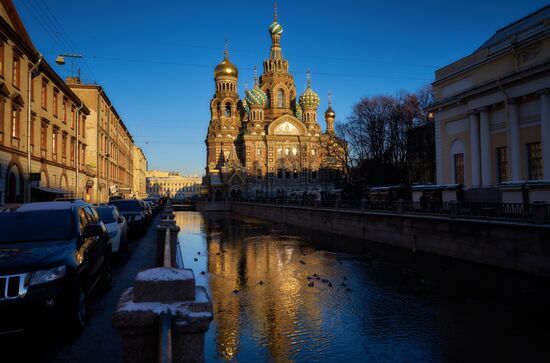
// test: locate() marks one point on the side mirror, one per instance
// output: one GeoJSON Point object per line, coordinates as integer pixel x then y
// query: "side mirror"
{"type": "Point", "coordinates": [93, 230]}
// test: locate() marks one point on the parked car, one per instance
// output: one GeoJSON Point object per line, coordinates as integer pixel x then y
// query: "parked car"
{"type": "Point", "coordinates": [154, 202]}
{"type": "Point", "coordinates": [117, 227]}
{"type": "Point", "coordinates": [148, 209]}
{"type": "Point", "coordinates": [52, 256]}
{"type": "Point", "coordinates": [115, 197]}
{"type": "Point", "coordinates": [134, 213]}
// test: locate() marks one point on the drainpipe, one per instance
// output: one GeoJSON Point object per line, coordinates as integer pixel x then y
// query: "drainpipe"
{"type": "Point", "coordinates": [77, 151]}
{"type": "Point", "coordinates": [29, 115]}
{"type": "Point", "coordinates": [98, 166]}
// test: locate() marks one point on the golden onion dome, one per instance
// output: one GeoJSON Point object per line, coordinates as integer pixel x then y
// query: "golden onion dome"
{"type": "Point", "coordinates": [226, 68]}
{"type": "Point", "coordinates": [329, 113]}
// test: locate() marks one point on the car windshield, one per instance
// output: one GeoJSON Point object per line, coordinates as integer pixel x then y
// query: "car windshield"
{"type": "Point", "coordinates": [106, 214]}
{"type": "Point", "coordinates": [36, 226]}
{"type": "Point", "coordinates": [127, 205]}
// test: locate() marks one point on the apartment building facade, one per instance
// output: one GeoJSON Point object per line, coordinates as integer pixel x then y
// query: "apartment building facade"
{"type": "Point", "coordinates": [43, 138]}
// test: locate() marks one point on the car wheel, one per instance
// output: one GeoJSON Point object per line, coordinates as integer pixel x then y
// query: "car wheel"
{"type": "Point", "coordinates": [78, 314]}
{"type": "Point", "coordinates": [107, 278]}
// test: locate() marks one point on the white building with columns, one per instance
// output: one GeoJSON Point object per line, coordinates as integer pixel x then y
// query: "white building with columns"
{"type": "Point", "coordinates": [492, 115]}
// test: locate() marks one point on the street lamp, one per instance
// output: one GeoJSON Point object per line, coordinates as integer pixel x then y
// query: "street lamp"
{"type": "Point", "coordinates": [61, 61]}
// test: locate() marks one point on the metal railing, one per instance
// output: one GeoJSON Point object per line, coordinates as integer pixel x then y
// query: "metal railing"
{"type": "Point", "coordinates": [497, 211]}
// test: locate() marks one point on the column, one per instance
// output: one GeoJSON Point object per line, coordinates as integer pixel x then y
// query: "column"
{"type": "Point", "coordinates": [514, 151]}
{"type": "Point", "coordinates": [474, 148]}
{"type": "Point", "coordinates": [485, 148]}
{"type": "Point", "coordinates": [545, 132]}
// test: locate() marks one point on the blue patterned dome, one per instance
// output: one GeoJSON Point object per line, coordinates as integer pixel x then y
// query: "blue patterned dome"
{"type": "Point", "coordinates": [256, 96]}
{"type": "Point", "coordinates": [275, 28]}
{"type": "Point", "coordinates": [309, 99]}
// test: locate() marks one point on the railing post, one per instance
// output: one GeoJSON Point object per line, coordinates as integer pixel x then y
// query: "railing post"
{"type": "Point", "coordinates": [454, 207]}
{"type": "Point", "coordinates": [539, 212]}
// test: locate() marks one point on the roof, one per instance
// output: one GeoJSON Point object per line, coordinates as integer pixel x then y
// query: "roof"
{"type": "Point", "coordinates": [42, 206]}
{"type": "Point", "coordinates": [528, 23]}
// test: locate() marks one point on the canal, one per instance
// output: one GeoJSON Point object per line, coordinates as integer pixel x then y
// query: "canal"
{"type": "Point", "coordinates": [286, 294]}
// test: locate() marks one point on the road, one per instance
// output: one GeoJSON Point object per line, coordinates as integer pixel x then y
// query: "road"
{"type": "Point", "coordinates": [98, 342]}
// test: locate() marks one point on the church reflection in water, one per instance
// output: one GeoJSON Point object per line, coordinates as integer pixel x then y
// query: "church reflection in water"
{"type": "Point", "coordinates": [362, 302]}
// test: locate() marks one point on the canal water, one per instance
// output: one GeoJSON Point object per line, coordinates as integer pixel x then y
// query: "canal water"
{"type": "Point", "coordinates": [285, 294]}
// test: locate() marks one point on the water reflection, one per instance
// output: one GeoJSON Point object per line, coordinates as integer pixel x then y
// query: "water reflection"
{"type": "Point", "coordinates": [366, 302]}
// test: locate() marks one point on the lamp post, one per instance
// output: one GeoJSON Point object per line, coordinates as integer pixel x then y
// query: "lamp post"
{"type": "Point", "coordinates": [61, 61]}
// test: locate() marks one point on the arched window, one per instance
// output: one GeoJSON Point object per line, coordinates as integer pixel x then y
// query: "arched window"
{"type": "Point", "coordinates": [228, 110]}
{"type": "Point", "coordinates": [281, 99]}
{"type": "Point", "coordinates": [268, 94]}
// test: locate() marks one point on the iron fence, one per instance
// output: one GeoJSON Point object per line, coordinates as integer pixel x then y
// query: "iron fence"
{"type": "Point", "coordinates": [498, 211]}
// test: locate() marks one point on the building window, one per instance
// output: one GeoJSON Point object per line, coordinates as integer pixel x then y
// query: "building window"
{"type": "Point", "coordinates": [73, 115]}
{"type": "Point", "coordinates": [295, 174]}
{"type": "Point", "coordinates": [44, 137]}
{"type": "Point", "coordinates": [459, 168]}
{"type": "Point", "coordinates": [287, 151]}
{"type": "Point", "coordinates": [16, 71]}
{"type": "Point", "coordinates": [294, 151]}
{"type": "Point", "coordinates": [287, 172]}
{"type": "Point", "coordinates": [83, 127]}
{"type": "Point", "coordinates": [15, 126]}
{"type": "Point", "coordinates": [64, 112]}
{"type": "Point", "coordinates": [281, 99]}
{"type": "Point", "coordinates": [279, 173]}
{"type": "Point", "coordinates": [44, 95]}
{"type": "Point", "coordinates": [259, 174]}
{"type": "Point", "coordinates": [314, 174]}
{"type": "Point", "coordinates": [534, 161]}
{"type": "Point", "coordinates": [72, 151]}
{"type": "Point", "coordinates": [313, 152]}
{"type": "Point", "coordinates": [55, 102]}
{"type": "Point", "coordinates": [258, 152]}
{"type": "Point", "coordinates": [1, 58]}
{"type": "Point", "coordinates": [227, 110]}
{"type": "Point", "coordinates": [502, 164]}
{"type": "Point", "coordinates": [64, 148]}
{"type": "Point", "coordinates": [2, 102]}
{"type": "Point", "coordinates": [54, 144]}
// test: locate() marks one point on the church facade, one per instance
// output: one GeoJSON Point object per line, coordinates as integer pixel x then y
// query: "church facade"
{"type": "Point", "coordinates": [269, 144]}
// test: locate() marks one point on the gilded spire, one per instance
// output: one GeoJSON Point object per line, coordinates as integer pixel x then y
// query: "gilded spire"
{"type": "Point", "coordinates": [275, 11]}
{"type": "Point", "coordinates": [255, 75]}
{"type": "Point", "coordinates": [226, 50]}
{"type": "Point", "coordinates": [308, 78]}
{"type": "Point", "coordinates": [329, 98]}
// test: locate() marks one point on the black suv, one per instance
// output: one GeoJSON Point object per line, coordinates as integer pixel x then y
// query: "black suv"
{"type": "Point", "coordinates": [52, 255]}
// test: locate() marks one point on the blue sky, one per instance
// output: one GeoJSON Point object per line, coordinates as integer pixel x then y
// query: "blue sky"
{"type": "Point", "coordinates": [155, 59]}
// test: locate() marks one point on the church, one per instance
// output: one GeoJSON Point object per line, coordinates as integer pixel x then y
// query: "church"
{"type": "Point", "coordinates": [270, 144]}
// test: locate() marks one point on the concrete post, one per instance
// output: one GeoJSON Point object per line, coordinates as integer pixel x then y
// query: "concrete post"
{"type": "Point", "coordinates": [161, 238]}
{"type": "Point", "coordinates": [400, 206]}
{"type": "Point", "coordinates": [160, 291]}
{"type": "Point", "coordinates": [539, 212]}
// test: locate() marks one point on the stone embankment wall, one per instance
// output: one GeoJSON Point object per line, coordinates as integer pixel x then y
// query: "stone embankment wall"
{"type": "Point", "coordinates": [512, 245]}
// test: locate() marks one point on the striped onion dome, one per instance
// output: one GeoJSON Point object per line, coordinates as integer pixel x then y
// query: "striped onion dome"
{"type": "Point", "coordinates": [298, 112]}
{"type": "Point", "coordinates": [275, 28]}
{"type": "Point", "coordinates": [309, 99]}
{"type": "Point", "coordinates": [256, 96]}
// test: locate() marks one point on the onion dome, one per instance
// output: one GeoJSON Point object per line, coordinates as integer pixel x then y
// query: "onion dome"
{"type": "Point", "coordinates": [226, 68]}
{"type": "Point", "coordinates": [309, 99]}
{"type": "Point", "coordinates": [245, 104]}
{"type": "Point", "coordinates": [298, 112]}
{"type": "Point", "coordinates": [275, 28]}
{"type": "Point", "coordinates": [329, 113]}
{"type": "Point", "coordinates": [256, 96]}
